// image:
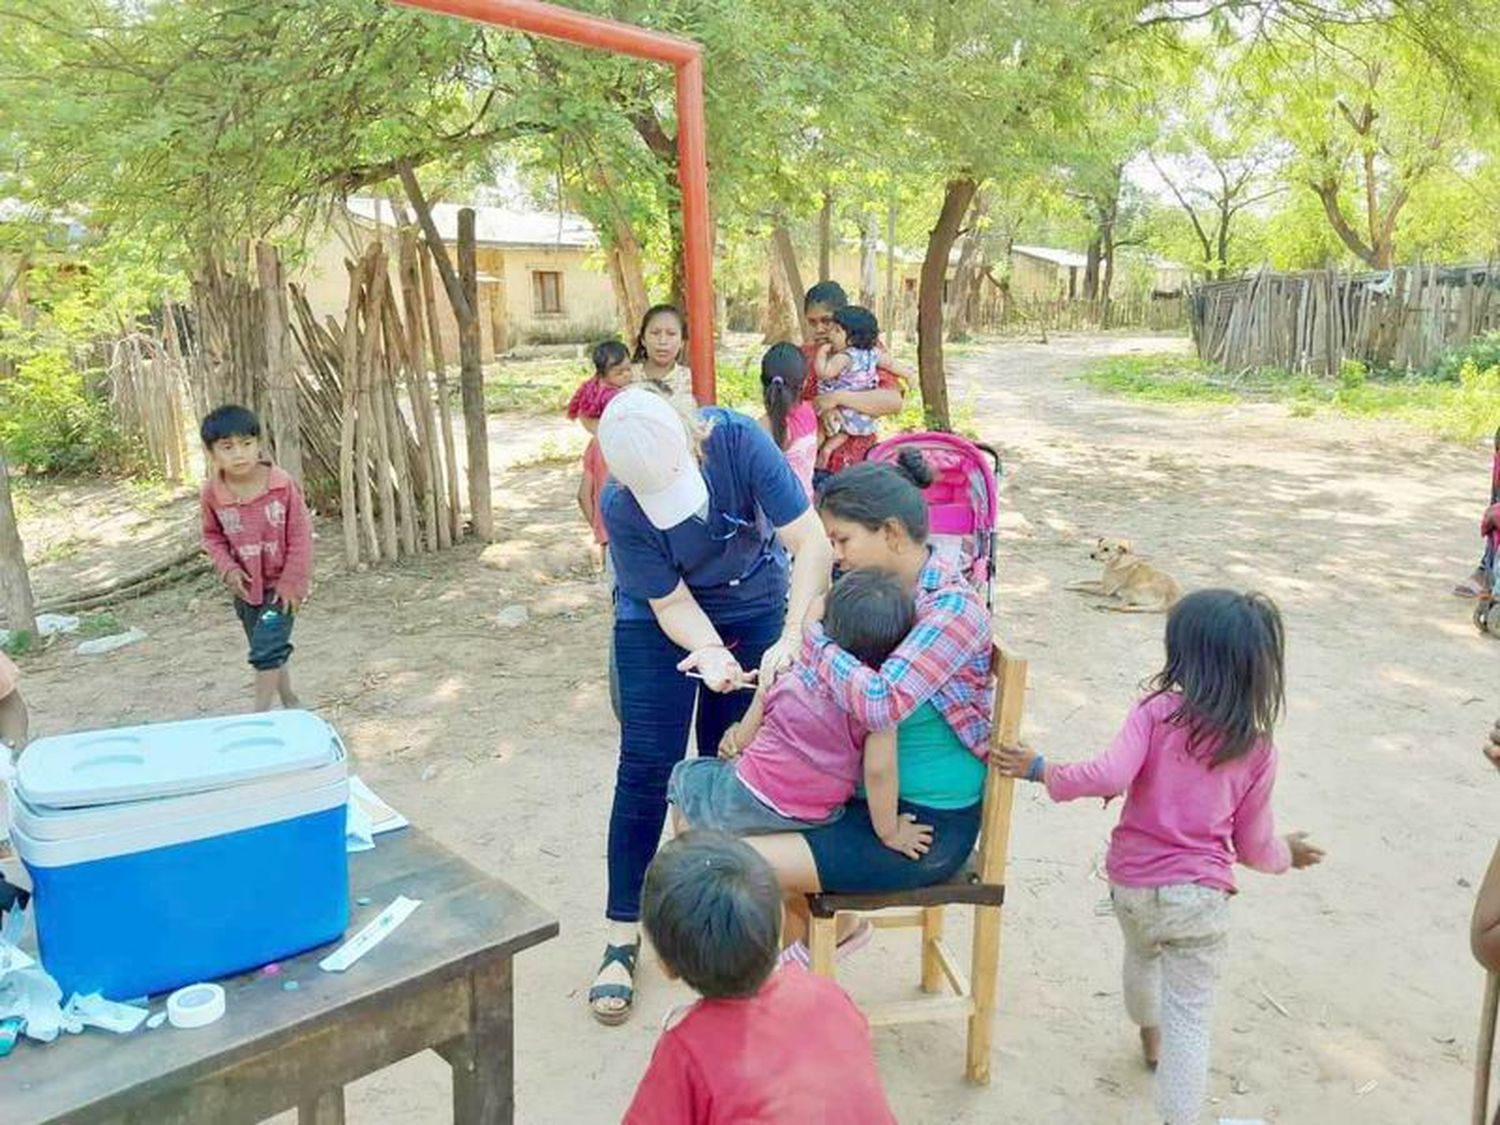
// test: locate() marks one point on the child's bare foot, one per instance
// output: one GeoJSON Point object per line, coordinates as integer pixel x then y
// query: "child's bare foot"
{"type": "Point", "coordinates": [1151, 1046]}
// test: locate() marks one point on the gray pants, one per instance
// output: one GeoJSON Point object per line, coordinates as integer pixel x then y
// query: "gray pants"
{"type": "Point", "coordinates": [1175, 940]}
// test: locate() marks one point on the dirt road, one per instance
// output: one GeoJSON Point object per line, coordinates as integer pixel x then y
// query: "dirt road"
{"type": "Point", "coordinates": [1349, 995]}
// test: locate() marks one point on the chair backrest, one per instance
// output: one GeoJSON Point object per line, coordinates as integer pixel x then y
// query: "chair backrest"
{"type": "Point", "coordinates": [1009, 675]}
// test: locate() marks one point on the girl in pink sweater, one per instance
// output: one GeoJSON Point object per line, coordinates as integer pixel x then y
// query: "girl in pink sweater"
{"type": "Point", "coordinates": [1196, 764]}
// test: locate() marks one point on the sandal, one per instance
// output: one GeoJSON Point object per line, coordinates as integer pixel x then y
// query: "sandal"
{"type": "Point", "coordinates": [1471, 587]}
{"type": "Point", "coordinates": [615, 955]}
{"type": "Point", "coordinates": [798, 953]}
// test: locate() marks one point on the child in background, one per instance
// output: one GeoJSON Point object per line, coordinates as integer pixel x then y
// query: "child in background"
{"type": "Point", "coordinates": [847, 362]}
{"type": "Point", "coordinates": [1481, 583]}
{"type": "Point", "coordinates": [258, 534]}
{"type": "Point", "coordinates": [1197, 766]}
{"type": "Point", "coordinates": [658, 355]}
{"type": "Point", "coordinates": [789, 419]}
{"type": "Point", "coordinates": [612, 372]}
{"type": "Point", "coordinates": [795, 758]}
{"type": "Point", "coordinates": [764, 1044]}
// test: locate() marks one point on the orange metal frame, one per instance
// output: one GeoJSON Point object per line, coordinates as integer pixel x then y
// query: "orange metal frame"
{"type": "Point", "coordinates": [686, 58]}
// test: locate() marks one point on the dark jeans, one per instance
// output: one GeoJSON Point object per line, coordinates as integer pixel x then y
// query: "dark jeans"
{"type": "Point", "coordinates": [656, 710]}
{"type": "Point", "coordinates": [268, 628]}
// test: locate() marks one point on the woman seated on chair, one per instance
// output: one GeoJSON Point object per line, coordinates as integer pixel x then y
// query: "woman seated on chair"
{"type": "Point", "coordinates": [934, 689]}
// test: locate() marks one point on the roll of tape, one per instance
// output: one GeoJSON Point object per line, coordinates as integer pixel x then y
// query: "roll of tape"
{"type": "Point", "coordinates": [197, 1005]}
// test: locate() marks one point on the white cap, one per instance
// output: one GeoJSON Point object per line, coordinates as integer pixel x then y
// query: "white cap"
{"type": "Point", "coordinates": [646, 446]}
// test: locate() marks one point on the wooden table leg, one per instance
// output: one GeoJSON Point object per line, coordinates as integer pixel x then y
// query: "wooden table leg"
{"type": "Point", "coordinates": [484, 1062]}
{"type": "Point", "coordinates": [326, 1109]}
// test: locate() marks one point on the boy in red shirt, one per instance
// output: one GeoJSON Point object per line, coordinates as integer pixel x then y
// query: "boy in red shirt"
{"type": "Point", "coordinates": [761, 1047]}
{"type": "Point", "coordinates": [258, 534]}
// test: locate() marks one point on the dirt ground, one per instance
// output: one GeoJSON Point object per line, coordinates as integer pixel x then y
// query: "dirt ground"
{"type": "Point", "coordinates": [1350, 994]}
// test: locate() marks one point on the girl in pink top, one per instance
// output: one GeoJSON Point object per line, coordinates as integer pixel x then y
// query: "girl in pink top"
{"type": "Point", "coordinates": [790, 420]}
{"type": "Point", "coordinates": [796, 757]}
{"type": "Point", "coordinates": [1196, 765]}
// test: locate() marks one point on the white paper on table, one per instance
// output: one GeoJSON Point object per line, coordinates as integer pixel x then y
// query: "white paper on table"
{"type": "Point", "coordinates": [372, 935]}
{"type": "Point", "coordinates": [94, 1010]}
{"type": "Point", "coordinates": [382, 817]}
{"type": "Point", "coordinates": [359, 830]}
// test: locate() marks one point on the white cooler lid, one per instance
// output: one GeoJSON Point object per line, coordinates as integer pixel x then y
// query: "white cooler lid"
{"type": "Point", "coordinates": [166, 759]}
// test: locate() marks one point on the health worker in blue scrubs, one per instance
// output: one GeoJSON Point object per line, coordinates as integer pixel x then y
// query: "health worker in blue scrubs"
{"type": "Point", "coordinates": [717, 557]}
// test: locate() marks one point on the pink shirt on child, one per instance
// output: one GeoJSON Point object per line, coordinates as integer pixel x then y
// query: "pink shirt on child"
{"type": "Point", "coordinates": [269, 536]}
{"type": "Point", "coordinates": [590, 399]}
{"type": "Point", "coordinates": [802, 444]}
{"type": "Point", "coordinates": [797, 1051]}
{"type": "Point", "coordinates": [1182, 822]}
{"type": "Point", "coordinates": [807, 756]}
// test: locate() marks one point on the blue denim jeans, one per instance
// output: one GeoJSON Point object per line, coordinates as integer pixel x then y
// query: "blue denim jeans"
{"type": "Point", "coordinates": [268, 628]}
{"type": "Point", "coordinates": [656, 710]}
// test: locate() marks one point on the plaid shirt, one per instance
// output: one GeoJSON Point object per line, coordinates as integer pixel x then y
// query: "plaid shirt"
{"type": "Point", "coordinates": [945, 659]}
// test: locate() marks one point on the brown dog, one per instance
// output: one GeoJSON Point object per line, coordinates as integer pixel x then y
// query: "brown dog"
{"type": "Point", "coordinates": [1134, 584]}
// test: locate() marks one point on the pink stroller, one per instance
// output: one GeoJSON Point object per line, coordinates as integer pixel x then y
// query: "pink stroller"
{"type": "Point", "coordinates": [962, 501]}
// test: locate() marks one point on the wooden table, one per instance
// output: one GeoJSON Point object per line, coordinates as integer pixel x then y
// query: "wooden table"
{"type": "Point", "coordinates": [441, 980]}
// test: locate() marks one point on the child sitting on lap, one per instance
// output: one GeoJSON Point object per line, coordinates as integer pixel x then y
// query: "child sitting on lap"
{"type": "Point", "coordinates": [763, 1044]}
{"type": "Point", "coordinates": [794, 759]}
{"type": "Point", "coordinates": [257, 533]}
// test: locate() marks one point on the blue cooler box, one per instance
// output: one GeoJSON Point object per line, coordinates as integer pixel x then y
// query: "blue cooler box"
{"type": "Point", "coordinates": [179, 852]}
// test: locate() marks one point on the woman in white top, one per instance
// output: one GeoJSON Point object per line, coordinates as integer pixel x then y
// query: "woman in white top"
{"type": "Point", "coordinates": [658, 354]}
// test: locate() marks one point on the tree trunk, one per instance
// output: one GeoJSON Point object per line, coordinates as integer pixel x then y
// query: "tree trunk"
{"type": "Point", "coordinates": [286, 415]}
{"type": "Point", "coordinates": [957, 197]}
{"type": "Point", "coordinates": [781, 319]}
{"type": "Point", "coordinates": [1091, 270]}
{"type": "Point", "coordinates": [632, 284]}
{"type": "Point", "coordinates": [891, 314]}
{"type": "Point", "coordinates": [786, 257]}
{"type": "Point", "coordinates": [825, 237]}
{"type": "Point", "coordinates": [15, 582]}
{"type": "Point", "coordinates": [962, 286]}
{"type": "Point", "coordinates": [868, 269]}
{"type": "Point", "coordinates": [471, 385]}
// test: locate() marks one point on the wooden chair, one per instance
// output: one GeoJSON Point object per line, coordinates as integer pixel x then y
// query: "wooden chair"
{"type": "Point", "coordinates": [980, 884]}
{"type": "Point", "coordinates": [1484, 1053]}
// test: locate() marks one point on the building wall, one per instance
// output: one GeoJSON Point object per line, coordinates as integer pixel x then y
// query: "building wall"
{"type": "Point", "coordinates": [1033, 278]}
{"type": "Point", "coordinates": [508, 315]}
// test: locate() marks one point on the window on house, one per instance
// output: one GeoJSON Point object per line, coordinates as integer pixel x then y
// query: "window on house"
{"type": "Point", "coordinates": [546, 292]}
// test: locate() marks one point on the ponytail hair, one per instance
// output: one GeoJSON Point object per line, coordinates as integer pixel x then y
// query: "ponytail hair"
{"type": "Point", "coordinates": [783, 372]}
{"type": "Point", "coordinates": [874, 494]}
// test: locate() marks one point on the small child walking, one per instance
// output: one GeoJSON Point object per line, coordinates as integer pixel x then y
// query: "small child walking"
{"type": "Point", "coordinates": [258, 534]}
{"type": "Point", "coordinates": [612, 373]}
{"type": "Point", "coordinates": [795, 758]}
{"type": "Point", "coordinates": [1196, 764]}
{"type": "Point", "coordinates": [764, 1043]}
{"type": "Point", "coordinates": [848, 362]}
{"type": "Point", "coordinates": [789, 418]}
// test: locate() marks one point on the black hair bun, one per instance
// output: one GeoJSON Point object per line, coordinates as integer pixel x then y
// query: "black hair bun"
{"type": "Point", "coordinates": [914, 467]}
